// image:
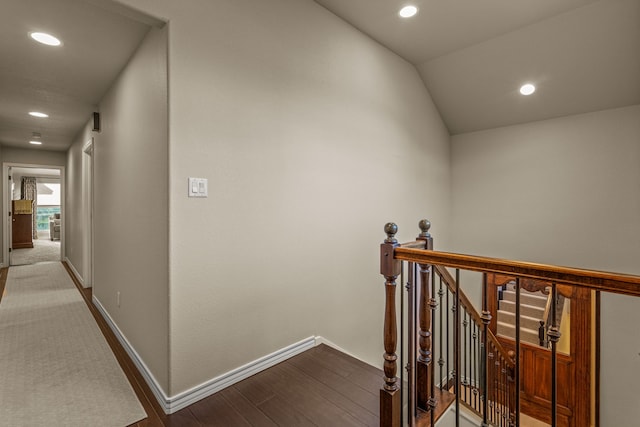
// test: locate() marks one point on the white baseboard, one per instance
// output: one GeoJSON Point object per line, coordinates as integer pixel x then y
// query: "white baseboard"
{"type": "Point", "coordinates": [206, 389]}
{"type": "Point", "coordinates": [214, 385]}
{"type": "Point", "coordinates": [75, 272]}
{"type": "Point", "coordinates": [157, 391]}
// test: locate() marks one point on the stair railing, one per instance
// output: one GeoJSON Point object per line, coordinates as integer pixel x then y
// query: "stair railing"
{"type": "Point", "coordinates": [497, 386]}
{"type": "Point", "coordinates": [498, 374]}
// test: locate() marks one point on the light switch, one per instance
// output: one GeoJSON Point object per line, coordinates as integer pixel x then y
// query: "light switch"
{"type": "Point", "coordinates": [198, 187]}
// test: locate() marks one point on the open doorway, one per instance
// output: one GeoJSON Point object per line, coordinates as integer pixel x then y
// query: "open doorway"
{"type": "Point", "coordinates": [35, 223]}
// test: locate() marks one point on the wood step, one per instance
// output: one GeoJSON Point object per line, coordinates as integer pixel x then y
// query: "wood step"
{"type": "Point", "coordinates": [444, 399]}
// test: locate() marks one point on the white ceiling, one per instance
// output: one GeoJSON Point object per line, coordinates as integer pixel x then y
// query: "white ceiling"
{"type": "Point", "coordinates": [66, 82]}
{"type": "Point", "coordinates": [583, 55]}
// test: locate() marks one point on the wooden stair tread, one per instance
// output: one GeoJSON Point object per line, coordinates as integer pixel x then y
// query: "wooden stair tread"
{"type": "Point", "coordinates": [444, 399]}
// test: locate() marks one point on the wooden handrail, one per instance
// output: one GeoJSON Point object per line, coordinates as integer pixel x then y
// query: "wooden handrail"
{"type": "Point", "coordinates": [591, 279]}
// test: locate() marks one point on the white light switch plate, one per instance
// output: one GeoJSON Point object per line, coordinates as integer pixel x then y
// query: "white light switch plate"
{"type": "Point", "coordinates": [198, 187]}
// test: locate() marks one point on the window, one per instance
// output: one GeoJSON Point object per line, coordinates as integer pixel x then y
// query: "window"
{"type": "Point", "coordinates": [48, 203]}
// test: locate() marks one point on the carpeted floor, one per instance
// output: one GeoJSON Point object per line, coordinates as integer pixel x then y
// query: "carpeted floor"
{"type": "Point", "coordinates": [56, 368]}
{"type": "Point", "coordinates": [43, 250]}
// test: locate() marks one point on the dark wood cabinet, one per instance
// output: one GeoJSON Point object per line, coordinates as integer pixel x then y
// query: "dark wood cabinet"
{"type": "Point", "coordinates": [21, 227]}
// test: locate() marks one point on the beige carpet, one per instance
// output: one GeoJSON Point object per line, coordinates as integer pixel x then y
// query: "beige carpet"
{"type": "Point", "coordinates": [43, 250]}
{"type": "Point", "coordinates": [56, 369]}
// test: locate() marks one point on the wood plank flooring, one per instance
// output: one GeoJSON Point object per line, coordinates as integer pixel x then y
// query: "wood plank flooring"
{"type": "Point", "coordinates": [320, 387]}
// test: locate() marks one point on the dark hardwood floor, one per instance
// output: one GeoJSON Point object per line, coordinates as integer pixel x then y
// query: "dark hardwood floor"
{"type": "Point", "coordinates": [320, 387]}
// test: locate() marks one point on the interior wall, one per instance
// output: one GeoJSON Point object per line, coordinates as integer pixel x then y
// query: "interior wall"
{"type": "Point", "coordinates": [131, 204]}
{"type": "Point", "coordinates": [33, 156]}
{"type": "Point", "coordinates": [312, 136]}
{"type": "Point", "coordinates": [75, 229]}
{"type": "Point", "coordinates": [564, 192]}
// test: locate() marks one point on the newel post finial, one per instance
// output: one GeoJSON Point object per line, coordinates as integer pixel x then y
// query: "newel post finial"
{"type": "Point", "coordinates": [424, 225]}
{"type": "Point", "coordinates": [391, 229]}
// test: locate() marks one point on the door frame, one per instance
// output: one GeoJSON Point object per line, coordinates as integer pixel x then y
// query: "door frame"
{"type": "Point", "coordinates": [88, 155]}
{"type": "Point", "coordinates": [6, 207]}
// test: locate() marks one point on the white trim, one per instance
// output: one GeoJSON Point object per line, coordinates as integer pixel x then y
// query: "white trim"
{"type": "Point", "coordinates": [75, 272]}
{"type": "Point", "coordinates": [191, 396]}
{"type": "Point", "coordinates": [214, 385]}
{"type": "Point", "coordinates": [160, 395]}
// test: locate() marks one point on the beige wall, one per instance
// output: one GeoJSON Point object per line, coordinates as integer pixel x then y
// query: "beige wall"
{"type": "Point", "coordinates": [312, 137]}
{"type": "Point", "coordinates": [565, 192]}
{"type": "Point", "coordinates": [75, 225]}
{"type": "Point", "coordinates": [33, 156]}
{"type": "Point", "coordinates": [131, 204]}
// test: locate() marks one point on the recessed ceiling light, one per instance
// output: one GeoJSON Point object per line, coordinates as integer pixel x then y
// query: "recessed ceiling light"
{"type": "Point", "coordinates": [38, 114]}
{"type": "Point", "coordinates": [35, 142]}
{"type": "Point", "coordinates": [408, 11]}
{"type": "Point", "coordinates": [45, 38]}
{"type": "Point", "coordinates": [527, 89]}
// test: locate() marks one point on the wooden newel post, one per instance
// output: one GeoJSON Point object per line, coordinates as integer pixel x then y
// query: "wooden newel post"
{"type": "Point", "coordinates": [425, 342]}
{"type": "Point", "coordinates": [390, 404]}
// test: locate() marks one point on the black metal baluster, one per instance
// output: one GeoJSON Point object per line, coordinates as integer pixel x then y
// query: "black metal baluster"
{"type": "Point", "coordinates": [497, 398]}
{"type": "Point", "coordinates": [464, 362]}
{"type": "Point", "coordinates": [554, 337]}
{"type": "Point", "coordinates": [457, 347]}
{"type": "Point", "coordinates": [441, 359]}
{"type": "Point", "coordinates": [486, 319]}
{"type": "Point", "coordinates": [409, 362]}
{"type": "Point", "coordinates": [502, 385]}
{"type": "Point", "coordinates": [470, 377]}
{"type": "Point", "coordinates": [414, 322]}
{"type": "Point", "coordinates": [517, 373]}
{"type": "Point", "coordinates": [498, 389]}
{"type": "Point", "coordinates": [507, 394]}
{"type": "Point", "coordinates": [448, 365]}
{"type": "Point", "coordinates": [433, 304]}
{"type": "Point", "coordinates": [474, 375]}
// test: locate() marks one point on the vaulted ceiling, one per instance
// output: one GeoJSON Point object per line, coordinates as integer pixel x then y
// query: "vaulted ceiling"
{"type": "Point", "coordinates": [473, 56]}
{"type": "Point", "coordinates": [583, 55]}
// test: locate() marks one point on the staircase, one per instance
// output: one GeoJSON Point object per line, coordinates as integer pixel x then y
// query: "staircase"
{"type": "Point", "coordinates": [532, 311]}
